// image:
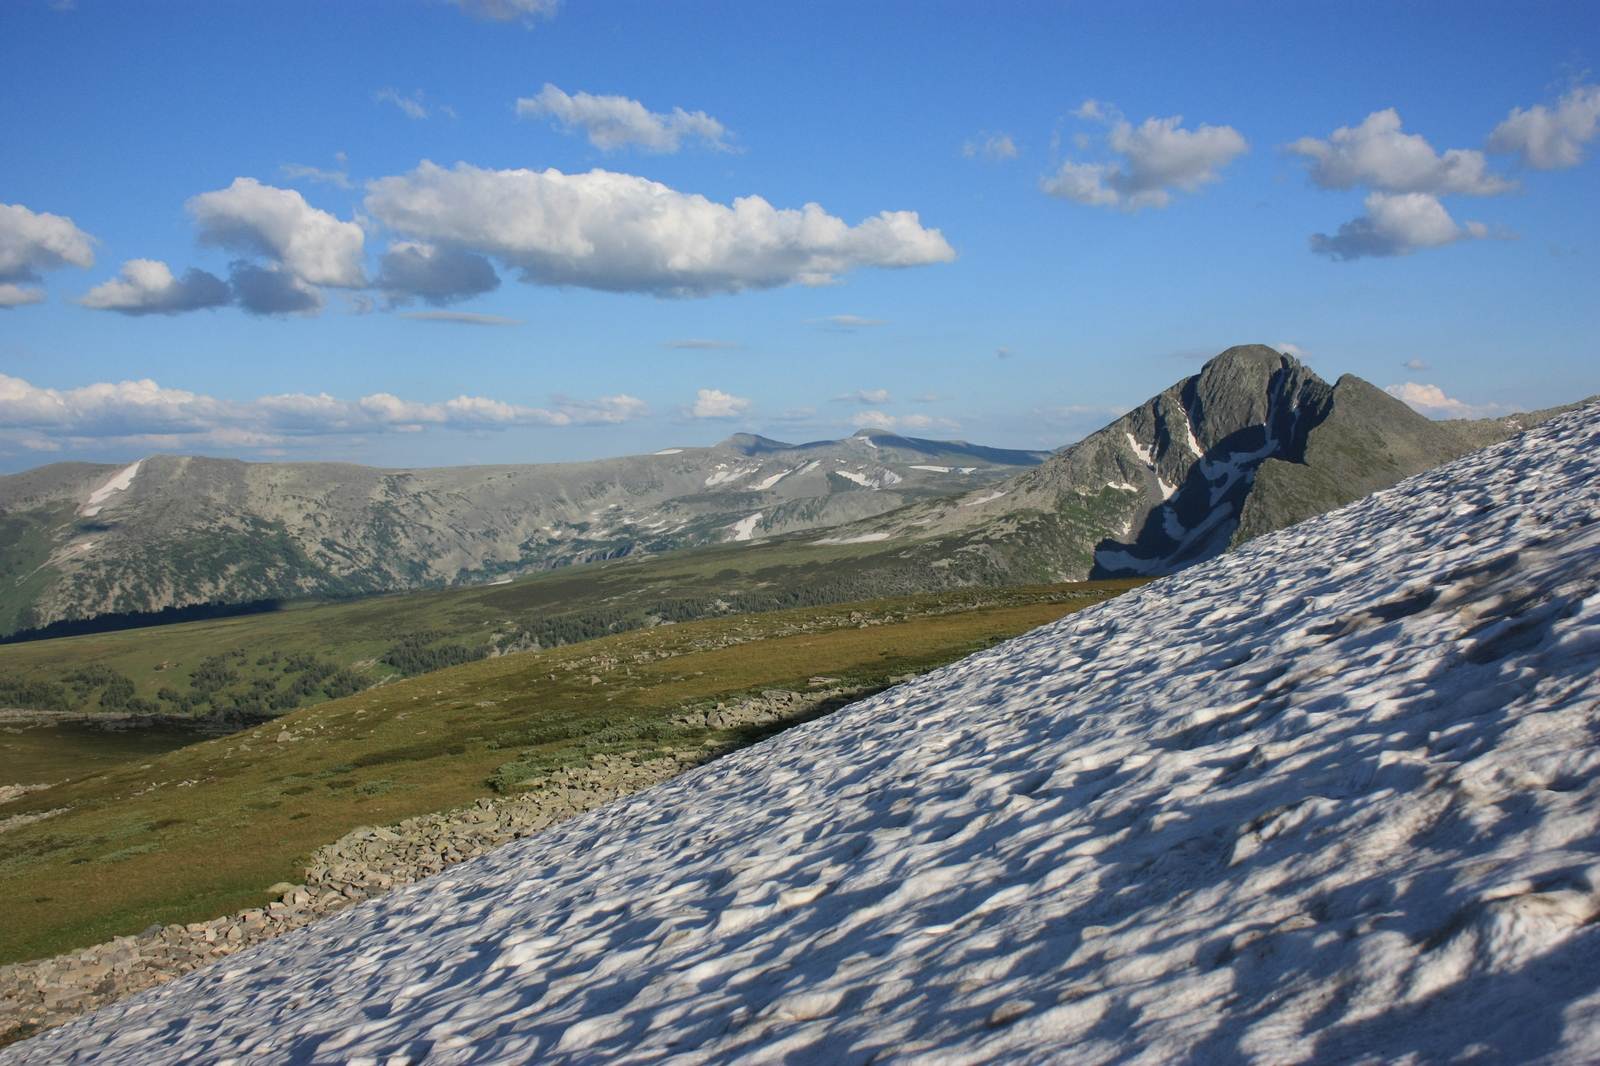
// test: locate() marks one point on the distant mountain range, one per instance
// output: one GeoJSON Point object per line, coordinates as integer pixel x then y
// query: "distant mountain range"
{"type": "Point", "coordinates": [79, 540]}
{"type": "Point", "coordinates": [1254, 442]}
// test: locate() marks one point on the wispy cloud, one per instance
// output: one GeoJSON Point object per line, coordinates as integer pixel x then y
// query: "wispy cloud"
{"type": "Point", "coordinates": [524, 11]}
{"type": "Point", "coordinates": [991, 148]}
{"type": "Point", "coordinates": [867, 397]}
{"type": "Point", "coordinates": [700, 342]}
{"type": "Point", "coordinates": [848, 321]}
{"type": "Point", "coordinates": [1004, 353]}
{"type": "Point", "coordinates": [297, 172]}
{"type": "Point", "coordinates": [1416, 364]}
{"type": "Point", "coordinates": [412, 105]}
{"type": "Point", "coordinates": [465, 317]}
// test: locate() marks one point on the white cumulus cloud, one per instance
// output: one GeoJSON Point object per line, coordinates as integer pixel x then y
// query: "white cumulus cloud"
{"type": "Point", "coordinates": [31, 242]}
{"type": "Point", "coordinates": [147, 287]}
{"type": "Point", "coordinates": [714, 403]}
{"type": "Point", "coordinates": [621, 233]}
{"type": "Point", "coordinates": [1430, 400]}
{"type": "Point", "coordinates": [1377, 155]}
{"type": "Point", "coordinates": [17, 296]}
{"type": "Point", "coordinates": [1396, 224]}
{"type": "Point", "coordinates": [306, 242]}
{"type": "Point", "coordinates": [879, 420]}
{"type": "Point", "coordinates": [1550, 139]}
{"type": "Point", "coordinates": [614, 121]}
{"type": "Point", "coordinates": [145, 411]}
{"type": "Point", "coordinates": [1156, 156]}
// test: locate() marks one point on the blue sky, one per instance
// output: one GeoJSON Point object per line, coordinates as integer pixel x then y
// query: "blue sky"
{"type": "Point", "coordinates": [425, 233]}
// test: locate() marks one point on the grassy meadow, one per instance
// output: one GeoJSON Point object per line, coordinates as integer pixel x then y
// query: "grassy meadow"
{"type": "Point", "coordinates": [199, 831]}
{"type": "Point", "coordinates": [308, 653]}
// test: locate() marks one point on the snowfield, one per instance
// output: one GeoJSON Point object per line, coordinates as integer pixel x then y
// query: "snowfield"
{"type": "Point", "coordinates": [1328, 798]}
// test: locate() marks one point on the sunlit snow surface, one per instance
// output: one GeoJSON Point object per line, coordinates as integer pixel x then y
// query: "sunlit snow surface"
{"type": "Point", "coordinates": [1327, 798]}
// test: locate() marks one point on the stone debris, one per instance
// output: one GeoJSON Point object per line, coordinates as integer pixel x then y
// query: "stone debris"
{"type": "Point", "coordinates": [369, 861]}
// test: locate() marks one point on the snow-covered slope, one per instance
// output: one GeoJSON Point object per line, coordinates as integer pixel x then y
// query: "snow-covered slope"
{"type": "Point", "coordinates": [1330, 797]}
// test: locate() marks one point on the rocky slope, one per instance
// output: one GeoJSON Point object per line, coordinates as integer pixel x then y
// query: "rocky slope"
{"type": "Point", "coordinates": [79, 540]}
{"type": "Point", "coordinates": [1328, 798]}
{"type": "Point", "coordinates": [1254, 442]}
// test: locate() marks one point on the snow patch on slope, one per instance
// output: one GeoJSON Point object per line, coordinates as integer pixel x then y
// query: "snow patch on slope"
{"type": "Point", "coordinates": [745, 528]}
{"type": "Point", "coordinates": [119, 483]}
{"type": "Point", "coordinates": [1331, 797]}
{"type": "Point", "coordinates": [865, 538]}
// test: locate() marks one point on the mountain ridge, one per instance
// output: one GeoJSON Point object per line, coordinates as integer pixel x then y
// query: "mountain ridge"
{"type": "Point", "coordinates": [79, 540]}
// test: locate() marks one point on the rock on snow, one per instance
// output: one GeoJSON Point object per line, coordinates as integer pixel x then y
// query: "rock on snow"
{"type": "Point", "coordinates": [1328, 798]}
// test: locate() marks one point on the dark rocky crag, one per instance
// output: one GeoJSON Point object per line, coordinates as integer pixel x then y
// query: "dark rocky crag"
{"type": "Point", "coordinates": [1253, 443]}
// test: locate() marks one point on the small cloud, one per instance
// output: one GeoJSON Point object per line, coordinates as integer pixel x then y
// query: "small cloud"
{"type": "Point", "coordinates": [714, 403]}
{"type": "Point", "coordinates": [1416, 364]}
{"type": "Point", "coordinates": [991, 148]}
{"type": "Point", "coordinates": [147, 287]}
{"type": "Point", "coordinates": [17, 296]}
{"type": "Point", "coordinates": [865, 396]}
{"type": "Point", "coordinates": [524, 11]}
{"type": "Point", "coordinates": [296, 172]}
{"type": "Point", "coordinates": [850, 321]}
{"type": "Point", "coordinates": [1398, 224]}
{"type": "Point", "coordinates": [1004, 353]}
{"type": "Point", "coordinates": [879, 420]}
{"type": "Point", "coordinates": [1294, 350]}
{"type": "Point", "coordinates": [700, 342]}
{"type": "Point", "coordinates": [798, 414]}
{"type": "Point", "coordinates": [1378, 155]}
{"type": "Point", "coordinates": [1430, 400]}
{"type": "Point", "coordinates": [412, 105]}
{"type": "Point", "coordinates": [466, 317]}
{"type": "Point", "coordinates": [927, 397]}
{"type": "Point", "coordinates": [1551, 140]}
{"type": "Point", "coordinates": [615, 121]}
{"type": "Point", "coordinates": [1153, 159]}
